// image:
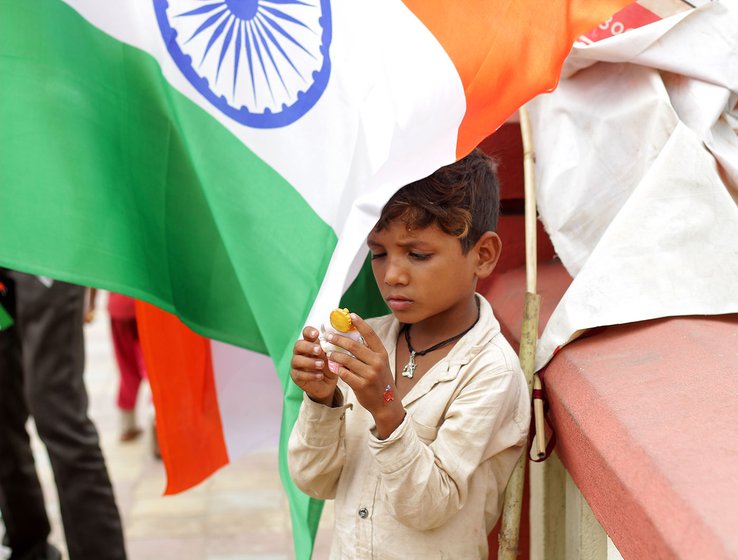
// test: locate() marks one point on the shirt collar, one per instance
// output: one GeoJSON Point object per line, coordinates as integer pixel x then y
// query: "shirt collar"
{"type": "Point", "coordinates": [461, 354]}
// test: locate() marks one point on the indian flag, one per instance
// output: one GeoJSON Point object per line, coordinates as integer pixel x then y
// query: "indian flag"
{"type": "Point", "coordinates": [224, 160]}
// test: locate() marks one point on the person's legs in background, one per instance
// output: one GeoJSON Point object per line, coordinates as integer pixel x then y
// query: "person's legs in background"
{"type": "Point", "coordinates": [21, 499]}
{"type": "Point", "coordinates": [53, 359]}
{"type": "Point", "coordinates": [132, 372]}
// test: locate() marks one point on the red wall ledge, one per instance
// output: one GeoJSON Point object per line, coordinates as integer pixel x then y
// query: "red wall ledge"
{"type": "Point", "coordinates": [647, 422]}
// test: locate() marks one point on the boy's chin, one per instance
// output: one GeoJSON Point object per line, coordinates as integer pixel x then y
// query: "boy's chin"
{"type": "Point", "coordinates": [405, 317]}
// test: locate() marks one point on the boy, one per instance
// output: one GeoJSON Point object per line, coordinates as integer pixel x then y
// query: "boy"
{"type": "Point", "coordinates": [416, 433]}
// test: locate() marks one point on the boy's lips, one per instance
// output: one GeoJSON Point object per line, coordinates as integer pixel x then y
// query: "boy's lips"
{"type": "Point", "coordinates": [397, 303]}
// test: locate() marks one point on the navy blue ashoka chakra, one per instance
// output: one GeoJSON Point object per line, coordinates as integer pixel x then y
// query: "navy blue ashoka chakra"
{"type": "Point", "coordinates": [264, 63]}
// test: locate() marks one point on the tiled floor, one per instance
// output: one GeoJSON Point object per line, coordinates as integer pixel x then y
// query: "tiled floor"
{"type": "Point", "coordinates": [240, 513]}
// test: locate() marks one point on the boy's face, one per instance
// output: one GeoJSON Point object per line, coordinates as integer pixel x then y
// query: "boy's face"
{"type": "Point", "coordinates": [422, 273]}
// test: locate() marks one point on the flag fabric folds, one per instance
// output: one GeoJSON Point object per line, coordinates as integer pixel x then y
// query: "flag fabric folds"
{"type": "Point", "coordinates": [224, 161]}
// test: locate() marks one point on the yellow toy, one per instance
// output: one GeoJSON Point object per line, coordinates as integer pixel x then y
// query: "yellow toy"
{"type": "Point", "coordinates": [339, 323]}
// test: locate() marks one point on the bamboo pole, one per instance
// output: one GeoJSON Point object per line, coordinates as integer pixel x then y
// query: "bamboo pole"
{"type": "Point", "coordinates": [531, 269]}
{"type": "Point", "coordinates": [531, 242]}
{"type": "Point", "coordinates": [510, 529]}
{"type": "Point", "coordinates": [531, 274]}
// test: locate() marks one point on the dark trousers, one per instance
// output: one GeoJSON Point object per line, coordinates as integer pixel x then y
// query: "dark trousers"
{"type": "Point", "coordinates": [41, 374]}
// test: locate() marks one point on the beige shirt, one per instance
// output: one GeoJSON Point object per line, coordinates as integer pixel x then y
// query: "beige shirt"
{"type": "Point", "coordinates": [434, 487]}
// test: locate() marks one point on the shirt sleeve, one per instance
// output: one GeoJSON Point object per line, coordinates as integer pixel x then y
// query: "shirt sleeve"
{"type": "Point", "coordinates": [425, 484]}
{"type": "Point", "coordinates": [316, 450]}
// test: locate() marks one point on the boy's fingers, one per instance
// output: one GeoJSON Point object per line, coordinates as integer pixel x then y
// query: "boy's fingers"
{"type": "Point", "coordinates": [310, 334]}
{"type": "Point", "coordinates": [356, 348]}
{"type": "Point", "coordinates": [358, 369]}
{"type": "Point", "coordinates": [306, 377]}
{"type": "Point", "coordinates": [308, 348]}
{"type": "Point", "coordinates": [347, 361]}
{"type": "Point", "coordinates": [351, 379]}
{"type": "Point", "coordinates": [370, 337]}
{"type": "Point", "coordinates": [362, 353]}
{"type": "Point", "coordinates": [305, 363]}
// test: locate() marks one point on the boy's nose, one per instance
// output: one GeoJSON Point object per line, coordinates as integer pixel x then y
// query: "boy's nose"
{"type": "Point", "coordinates": [395, 275]}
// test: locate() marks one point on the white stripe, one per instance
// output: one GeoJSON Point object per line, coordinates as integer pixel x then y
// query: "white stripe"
{"type": "Point", "coordinates": [249, 398]}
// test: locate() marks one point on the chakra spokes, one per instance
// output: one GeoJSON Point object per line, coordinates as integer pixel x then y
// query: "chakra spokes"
{"type": "Point", "coordinates": [263, 63]}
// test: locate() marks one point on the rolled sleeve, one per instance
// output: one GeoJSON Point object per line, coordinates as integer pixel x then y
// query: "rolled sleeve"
{"type": "Point", "coordinates": [398, 450]}
{"type": "Point", "coordinates": [319, 425]}
{"type": "Point", "coordinates": [316, 451]}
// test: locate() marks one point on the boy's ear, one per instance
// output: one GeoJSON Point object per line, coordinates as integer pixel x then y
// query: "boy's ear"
{"type": "Point", "coordinates": [488, 250]}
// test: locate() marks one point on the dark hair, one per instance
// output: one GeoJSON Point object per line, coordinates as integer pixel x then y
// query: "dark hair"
{"type": "Point", "coordinates": [462, 199]}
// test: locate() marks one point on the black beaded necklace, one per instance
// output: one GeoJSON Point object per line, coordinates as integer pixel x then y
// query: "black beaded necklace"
{"type": "Point", "coordinates": [409, 369]}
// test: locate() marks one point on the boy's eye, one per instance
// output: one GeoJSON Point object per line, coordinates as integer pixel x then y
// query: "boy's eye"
{"type": "Point", "coordinates": [420, 256]}
{"type": "Point", "coordinates": [376, 256]}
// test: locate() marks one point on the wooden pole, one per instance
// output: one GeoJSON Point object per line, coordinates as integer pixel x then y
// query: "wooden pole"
{"type": "Point", "coordinates": [531, 242]}
{"type": "Point", "coordinates": [531, 275]}
{"type": "Point", "coordinates": [510, 529]}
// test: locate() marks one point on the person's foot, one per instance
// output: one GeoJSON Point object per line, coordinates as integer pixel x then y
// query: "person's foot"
{"type": "Point", "coordinates": [44, 551]}
{"type": "Point", "coordinates": [129, 429]}
{"type": "Point", "coordinates": [52, 553]}
{"type": "Point", "coordinates": [130, 434]}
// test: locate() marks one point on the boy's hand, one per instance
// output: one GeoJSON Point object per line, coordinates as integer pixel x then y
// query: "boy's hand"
{"type": "Point", "coordinates": [368, 373]}
{"type": "Point", "coordinates": [310, 368]}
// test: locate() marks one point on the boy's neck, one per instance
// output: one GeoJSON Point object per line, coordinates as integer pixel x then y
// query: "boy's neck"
{"type": "Point", "coordinates": [440, 327]}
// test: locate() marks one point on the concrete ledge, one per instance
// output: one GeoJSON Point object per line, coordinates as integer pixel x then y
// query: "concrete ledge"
{"type": "Point", "coordinates": [647, 421]}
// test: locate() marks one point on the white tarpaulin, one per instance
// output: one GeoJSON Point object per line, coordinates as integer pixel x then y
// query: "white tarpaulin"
{"type": "Point", "coordinates": [637, 174]}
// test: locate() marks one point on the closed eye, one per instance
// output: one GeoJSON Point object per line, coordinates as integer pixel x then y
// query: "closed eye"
{"type": "Point", "coordinates": [376, 256]}
{"type": "Point", "coordinates": [420, 256]}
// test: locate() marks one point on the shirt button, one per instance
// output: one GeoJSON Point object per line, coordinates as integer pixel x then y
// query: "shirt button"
{"type": "Point", "coordinates": [363, 513]}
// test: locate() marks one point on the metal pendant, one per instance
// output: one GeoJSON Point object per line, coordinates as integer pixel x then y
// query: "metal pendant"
{"type": "Point", "coordinates": [409, 368]}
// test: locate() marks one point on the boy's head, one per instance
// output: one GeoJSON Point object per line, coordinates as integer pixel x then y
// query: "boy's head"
{"type": "Point", "coordinates": [462, 199]}
{"type": "Point", "coordinates": [434, 240]}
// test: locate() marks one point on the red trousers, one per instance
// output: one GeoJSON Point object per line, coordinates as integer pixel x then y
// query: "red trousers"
{"type": "Point", "coordinates": [130, 361]}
